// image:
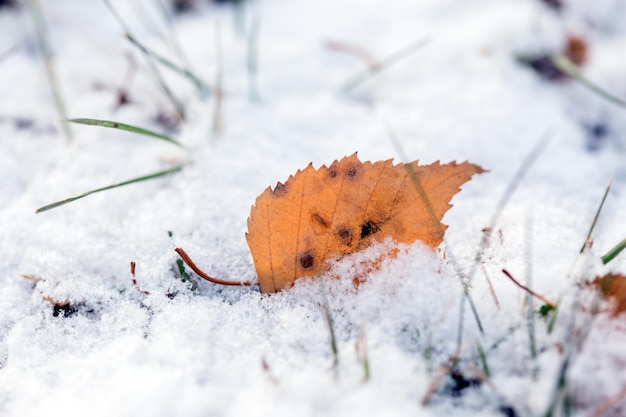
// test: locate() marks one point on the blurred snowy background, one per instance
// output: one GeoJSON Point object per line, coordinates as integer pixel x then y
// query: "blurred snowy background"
{"type": "Point", "coordinates": [473, 80]}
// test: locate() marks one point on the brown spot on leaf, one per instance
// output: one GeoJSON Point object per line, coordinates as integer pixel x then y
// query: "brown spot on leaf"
{"type": "Point", "coordinates": [306, 260]}
{"type": "Point", "coordinates": [344, 235]}
{"type": "Point", "coordinates": [368, 228]}
{"type": "Point", "coordinates": [319, 219]}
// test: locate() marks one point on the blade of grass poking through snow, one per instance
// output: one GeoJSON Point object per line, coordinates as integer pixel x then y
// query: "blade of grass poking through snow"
{"type": "Point", "coordinates": [184, 276]}
{"type": "Point", "coordinates": [382, 65]}
{"type": "Point", "coordinates": [524, 167]}
{"type": "Point", "coordinates": [331, 327]}
{"type": "Point", "coordinates": [483, 359]}
{"type": "Point", "coordinates": [504, 200]}
{"type": "Point", "coordinates": [588, 240]}
{"type": "Point", "coordinates": [530, 311]}
{"type": "Point", "coordinates": [431, 212]}
{"type": "Point", "coordinates": [610, 255]}
{"type": "Point", "coordinates": [202, 87]}
{"type": "Point", "coordinates": [333, 339]}
{"type": "Point", "coordinates": [42, 39]}
{"type": "Point", "coordinates": [564, 64]}
{"type": "Point", "coordinates": [126, 127]}
{"type": "Point", "coordinates": [110, 187]}
{"type": "Point", "coordinates": [151, 63]}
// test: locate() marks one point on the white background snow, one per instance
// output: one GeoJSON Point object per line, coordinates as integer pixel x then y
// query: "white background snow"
{"type": "Point", "coordinates": [217, 351]}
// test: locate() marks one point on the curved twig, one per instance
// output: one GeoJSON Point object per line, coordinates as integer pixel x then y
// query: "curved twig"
{"type": "Point", "coordinates": [203, 274]}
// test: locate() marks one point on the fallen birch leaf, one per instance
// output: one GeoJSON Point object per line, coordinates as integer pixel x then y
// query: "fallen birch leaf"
{"type": "Point", "coordinates": [319, 215]}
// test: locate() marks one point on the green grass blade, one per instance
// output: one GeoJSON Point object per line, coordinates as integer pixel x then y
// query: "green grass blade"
{"type": "Point", "coordinates": [568, 67]}
{"type": "Point", "coordinates": [610, 255]}
{"type": "Point", "coordinates": [150, 60]}
{"type": "Point", "coordinates": [483, 359]}
{"type": "Point", "coordinates": [383, 64]}
{"type": "Point", "coordinates": [109, 187]}
{"type": "Point", "coordinates": [588, 242]}
{"type": "Point", "coordinates": [202, 87]}
{"type": "Point", "coordinates": [123, 126]}
{"type": "Point", "coordinates": [184, 276]}
{"type": "Point", "coordinates": [174, 41]}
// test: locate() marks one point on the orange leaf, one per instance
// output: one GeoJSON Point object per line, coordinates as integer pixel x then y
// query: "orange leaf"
{"type": "Point", "coordinates": [319, 215]}
{"type": "Point", "coordinates": [613, 287]}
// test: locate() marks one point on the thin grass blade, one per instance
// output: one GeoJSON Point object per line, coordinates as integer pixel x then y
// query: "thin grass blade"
{"type": "Point", "coordinates": [610, 255]}
{"type": "Point", "coordinates": [150, 60]}
{"type": "Point", "coordinates": [174, 40]}
{"type": "Point", "coordinates": [483, 359]}
{"type": "Point", "coordinates": [587, 242]}
{"type": "Point", "coordinates": [126, 127]}
{"type": "Point", "coordinates": [110, 187]}
{"type": "Point", "coordinates": [202, 87]}
{"type": "Point", "coordinates": [568, 67]}
{"type": "Point", "coordinates": [431, 212]}
{"type": "Point", "coordinates": [383, 64]}
{"type": "Point", "coordinates": [42, 39]}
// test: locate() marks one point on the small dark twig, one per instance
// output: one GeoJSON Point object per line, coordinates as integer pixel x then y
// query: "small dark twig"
{"type": "Point", "coordinates": [528, 290]}
{"type": "Point", "coordinates": [204, 275]}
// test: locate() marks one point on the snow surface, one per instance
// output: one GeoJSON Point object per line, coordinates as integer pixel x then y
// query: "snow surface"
{"type": "Point", "coordinates": [165, 347]}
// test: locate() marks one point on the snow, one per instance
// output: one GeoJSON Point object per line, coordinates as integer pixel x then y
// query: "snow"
{"type": "Point", "coordinates": [166, 347]}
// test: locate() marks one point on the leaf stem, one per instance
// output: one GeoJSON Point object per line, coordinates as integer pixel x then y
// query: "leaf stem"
{"type": "Point", "coordinates": [204, 275]}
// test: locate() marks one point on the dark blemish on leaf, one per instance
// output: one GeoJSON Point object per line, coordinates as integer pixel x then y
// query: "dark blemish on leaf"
{"type": "Point", "coordinates": [320, 219]}
{"type": "Point", "coordinates": [116, 125]}
{"type": "Point", "coordinates": [306, 260]}
{"type": "Point", "coordinates": [332, 173]}
{"type": "Point", "coordinates": [279, 190]}
{"type": "Point", "coordinates": [351, 172]}
{"type": "Point", "coordinates": [344, 235]}
{"type": "Point", "coordinates": [368, 228]}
